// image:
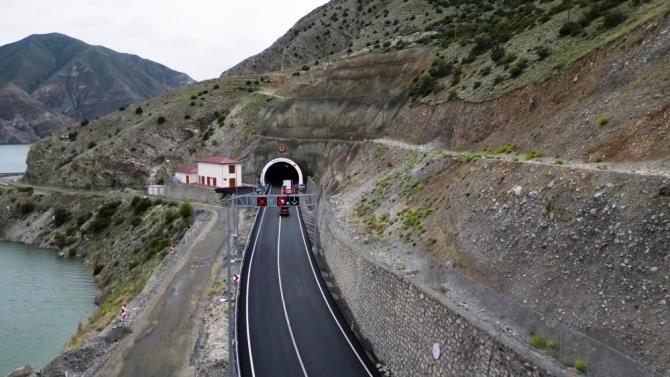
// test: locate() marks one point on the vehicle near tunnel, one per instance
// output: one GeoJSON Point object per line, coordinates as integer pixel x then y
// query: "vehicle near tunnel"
{"type": "Point", "coordinates": [283, 211]}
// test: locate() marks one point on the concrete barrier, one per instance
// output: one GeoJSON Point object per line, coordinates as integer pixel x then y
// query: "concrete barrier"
{"type": "Point", "coordinates": [192, 193]}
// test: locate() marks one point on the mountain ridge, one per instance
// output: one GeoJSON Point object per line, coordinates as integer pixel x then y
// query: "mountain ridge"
{"type": "Point", "coordinates": [78, 81]}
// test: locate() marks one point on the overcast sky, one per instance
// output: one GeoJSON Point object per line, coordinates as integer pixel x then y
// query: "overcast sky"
{"type": "Point", "coordinates": [199, 37]}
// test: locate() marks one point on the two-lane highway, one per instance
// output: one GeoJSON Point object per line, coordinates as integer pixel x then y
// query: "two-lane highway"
{"type": "Point", "coordinates": [288, 324]}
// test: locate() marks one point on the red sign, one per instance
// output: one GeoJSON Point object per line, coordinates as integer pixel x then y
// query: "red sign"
{"type": "Point", "coordinates": [236, 278]}
{"type": "Point", "coordinates": [281, 201]}
{"type": "Point", "coordinates": [262, 201]}
{"type": "Point", "coordinates": [282, 148]}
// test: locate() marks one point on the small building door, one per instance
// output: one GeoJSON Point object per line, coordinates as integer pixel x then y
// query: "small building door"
{"type": "Point", "coordinates": [209, 181]}
{"type": "Point", "coordinates": [214, 182]}
{"type": "Point", "coordinates": [188, 180]}
{"type": "Point", "coordinates": [233, 182]}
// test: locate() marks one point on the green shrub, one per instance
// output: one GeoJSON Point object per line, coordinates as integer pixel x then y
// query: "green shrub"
{"type": "Point", "coordinates": [424, 85]}
{"type": "Point", "coordinates": [440, 68]}
{"type": "Point", "coordinates": [92, 145]}
{"type": "Point", "coordinates": [497, 53]}
{"type": "Point", "coordinates": [186, 210]}
{"type": "Point", "coordinates": [136, 221]}
{"type": "Point", "coordinates": [533, 155]}
{"type": "Point", "coordinates": [140, 204]}
{"type": "Point", "coordinates": [62, 241]}
{"type": "Point", "coordinates": [518, 68]}
{"type": "Point", "coordinates": [170, 216]}
{"type": "Point", "coordinates": [139, 111]}
{"type": "Point", "coordinates": [160, 120]}
{"type": "Point", "coordinates": [570, 29]}
{"type": "Point", "coordinates": [538, 341]}
{"type": "Point", "coordinates": [104, 217]}
{"type": "Point", "coordinates": [602, 120]}
{"type": "Point", "coordinates": [99, 224]}
{"type": "Point", "coordinates": [580, 365]}
{"type": "Point", "coordinates": [543, 52]}
{"type": "Point", "coordinates": [26, 207]}
{"type": "Point", "coordinates": [61, 216]}
{"type": "Point", "coordinates": [613, 19]}
{"type": "Point", "coordinates": [81, 219]}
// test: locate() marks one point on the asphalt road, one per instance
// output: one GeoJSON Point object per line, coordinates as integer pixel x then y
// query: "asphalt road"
{"type": "Point", "coordinates": [288, 324]}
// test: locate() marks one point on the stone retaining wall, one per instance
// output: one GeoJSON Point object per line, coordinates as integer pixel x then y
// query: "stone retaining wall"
{"type": "Point", "coordinates": [401, 321]}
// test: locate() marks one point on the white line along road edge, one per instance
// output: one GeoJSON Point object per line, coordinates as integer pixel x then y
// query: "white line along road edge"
{"type": "Point", "coordinates": [281, 291]}
{"type": "Point", "coordinates": [311, 263]}
{"type": "Point", "coordinates": [251, 262]}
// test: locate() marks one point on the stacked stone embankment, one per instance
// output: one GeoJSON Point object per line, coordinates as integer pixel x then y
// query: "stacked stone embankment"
{"type": "Point", "coordinates": [401, 321]}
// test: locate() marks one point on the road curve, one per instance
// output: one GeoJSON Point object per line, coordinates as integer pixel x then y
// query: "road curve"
{"type": "Point", "coordinates": [288, 323]}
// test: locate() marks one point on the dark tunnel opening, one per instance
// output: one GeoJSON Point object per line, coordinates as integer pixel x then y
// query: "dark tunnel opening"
{"type": "Point", "coordinates": [280, 171]}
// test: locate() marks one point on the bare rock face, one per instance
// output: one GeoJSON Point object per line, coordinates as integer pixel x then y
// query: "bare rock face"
{"type": "Point", "coordinates": [50, 81]}
{"type": "Point", "coordinates": [26, 371]}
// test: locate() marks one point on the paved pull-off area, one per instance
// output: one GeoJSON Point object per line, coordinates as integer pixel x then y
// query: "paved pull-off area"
{"type": "Point", "coordinates": [164, 339]}
{"type": "Point", "coordinates": [288, 323]}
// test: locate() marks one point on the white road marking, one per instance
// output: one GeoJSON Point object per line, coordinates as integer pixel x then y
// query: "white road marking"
{"type": "Point", "coordinates": [311, 263]}
{"type": "Point", "coordinates": [283, 302]}
{"type": "Point", "coordinates": [251, 261]}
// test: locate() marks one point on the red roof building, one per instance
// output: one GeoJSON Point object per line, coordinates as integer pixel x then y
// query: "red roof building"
{"type": "Point", "coordinates": [219, 172]}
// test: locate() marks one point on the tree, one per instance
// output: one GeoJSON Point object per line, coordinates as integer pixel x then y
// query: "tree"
{"type": "Point", "coordinates": [139, 111]}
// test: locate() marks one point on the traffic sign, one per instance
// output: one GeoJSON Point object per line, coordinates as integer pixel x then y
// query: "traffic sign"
{"type": "Point", "coordinates": [236, 278]}
{"type": "Point", "coordinates": [282, 148]}
{"type": "Point", "coordinates": [281, 201]}
{"type": "Point", "coordinates": [294, 200]}
{"type": "Point", "coordinates": [262, 201]}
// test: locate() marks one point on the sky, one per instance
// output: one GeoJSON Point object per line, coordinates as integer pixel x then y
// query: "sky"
{"type": "Point", "coordinates": [199, 37]}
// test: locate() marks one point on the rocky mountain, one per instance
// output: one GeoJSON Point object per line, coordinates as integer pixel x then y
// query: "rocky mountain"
{"type": "Point", "coordinates": [69, 80]}
{"type": "Point", "coordinates": [340, 27]}
{"type": "Point", "coordinates": [522, 145]}
{"type": "Point", "coordinates": [23, 119]}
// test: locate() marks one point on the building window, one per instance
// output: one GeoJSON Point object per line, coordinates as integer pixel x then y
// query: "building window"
{"type": "Point", "coordinates": [214, 182]}
{"type": "Point", "coordinates": [209, 181]}
{"type": "Point", "coordinates": [231, 169]}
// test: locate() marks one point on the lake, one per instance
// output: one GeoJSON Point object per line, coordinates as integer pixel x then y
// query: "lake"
{"type": "Point", "coordinates": [13, 158]}
{"type": "Point", "coordinates": [43, 298]}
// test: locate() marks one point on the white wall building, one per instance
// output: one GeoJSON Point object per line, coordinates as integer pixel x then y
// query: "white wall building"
{"type": "Point", "coordinates": [187, 175]}
{"type": "Point", "coordinates": [219, 172]}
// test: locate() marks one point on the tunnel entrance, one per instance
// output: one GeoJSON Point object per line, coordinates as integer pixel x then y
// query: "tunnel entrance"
{"type": "Point", "coordinates": [280, 169]}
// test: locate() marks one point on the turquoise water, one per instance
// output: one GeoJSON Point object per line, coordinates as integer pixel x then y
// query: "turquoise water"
{"type": "Point", "coordinates": [43, 298]}
{"type": "Point", "coordinates": [13, 158]}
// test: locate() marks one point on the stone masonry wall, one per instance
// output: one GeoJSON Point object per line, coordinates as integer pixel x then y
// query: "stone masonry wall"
{"type": "Point", "coordinates": [401, 321]}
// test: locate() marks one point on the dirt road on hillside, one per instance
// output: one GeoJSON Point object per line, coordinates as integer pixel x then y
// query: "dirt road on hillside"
{"type": "Point", "coordinates": [164, 339]}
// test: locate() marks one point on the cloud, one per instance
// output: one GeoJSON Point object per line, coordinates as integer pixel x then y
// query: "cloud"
{"type": "Point", "coordinates": [199, 37]}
